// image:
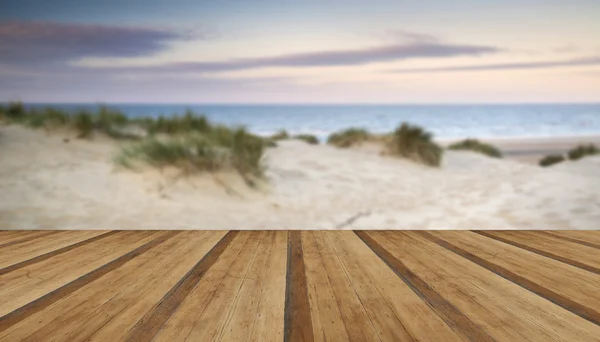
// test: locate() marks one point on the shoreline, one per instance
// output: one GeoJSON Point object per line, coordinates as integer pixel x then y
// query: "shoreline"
{"type": "Point", "coordinates": [532, 149]}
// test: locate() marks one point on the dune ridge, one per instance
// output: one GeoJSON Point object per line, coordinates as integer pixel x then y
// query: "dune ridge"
{"type": "Point", "coordinates": [47, 183]}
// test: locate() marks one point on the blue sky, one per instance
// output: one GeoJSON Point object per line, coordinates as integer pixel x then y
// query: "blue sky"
{"type": "Point", "coordinates": [300, 51]}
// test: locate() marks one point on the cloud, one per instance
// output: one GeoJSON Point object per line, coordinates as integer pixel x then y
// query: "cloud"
{"type": "Point", "coordinates": [507, 66]}
{"type": "Point", "coordinates": [569, 48]}
{"type": "Point", "coordinates": [409, 36]}
{"type": "Point", "coordinates": [51, 46]}
{"type": "Point", "coordinates": [23, 42]}
{"type": "Point", "coordinates": [329, 58]}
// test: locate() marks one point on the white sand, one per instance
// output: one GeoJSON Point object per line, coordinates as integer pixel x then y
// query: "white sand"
{"type": "Point", "coordinates": [48, 184]}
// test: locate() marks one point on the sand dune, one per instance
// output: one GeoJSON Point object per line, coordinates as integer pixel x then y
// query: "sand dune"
{"type": "Point", "coordinates": [46, 183]}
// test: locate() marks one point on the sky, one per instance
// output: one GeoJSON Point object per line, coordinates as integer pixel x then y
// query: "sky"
{"type": "Point", "coordinates": [267, 51]}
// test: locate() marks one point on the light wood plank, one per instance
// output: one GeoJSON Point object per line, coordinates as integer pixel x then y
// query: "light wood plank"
{"type": "Point", "coordinates": [77, 314]}
{"type": "Point", "coordinates": [183, 321]}
{"type": "Point", "coordinates": [268, 325]}
{"type": "Point", "coordinates": [28, 250]}
{"type": "Point", "coordinates": [417, 317]}
{"type": "Point", "coordinates": [10, 238]}
{"type": "Point", "coordinates": [568, 252]}
{"type": "Point", "coordinates": [243, 316]}
{"type": "Point", "coordinates": [590, 236]}
{"type": "Point", "coordinates": [19, 288]}
{"type": "Point", "coordinates": [573, 288]}
{"type": "Point", "coordinates": [327, 321]}
{"type": "Point", "coordinates": [142, 295]}
{"type": "Point", "coordinates": [212, 322]}
{"type": "Point", "coordinates": [355, 316]}
{"type": "Point", "coordinates": [507, 311]}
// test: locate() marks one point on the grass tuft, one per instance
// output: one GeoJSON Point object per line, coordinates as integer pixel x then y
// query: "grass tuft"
{"type": "Point", "coordinates": [477, 146]}
{"type": "Point", "coordinates": [221, 149]}
{"type": "Point", "coordinates": [414, 143]}
{"type": "Point", "coordinates": [348, 137]}
{"type": "Point", "coordinates": [583, 151]}
{"type": "Point", "coordinates": [84, 124]}
{"type": "Point", "coordinates": [551, 160]}
{"type": "Point", "coordinates": [15, 112]}
{"type": "Point", "coordinates": [308, 138]}
{"type": "Point", "coordinates": [280, 135]}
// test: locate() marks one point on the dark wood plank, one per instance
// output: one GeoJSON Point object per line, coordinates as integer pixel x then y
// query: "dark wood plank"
{"type": "Point", "coordinates": [458, 321]}
{"type": "Point", "coordinates": [298, 322]}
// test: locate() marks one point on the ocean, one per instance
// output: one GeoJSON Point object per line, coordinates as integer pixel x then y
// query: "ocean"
{"type": "Point", "coordinates": [444, 121]}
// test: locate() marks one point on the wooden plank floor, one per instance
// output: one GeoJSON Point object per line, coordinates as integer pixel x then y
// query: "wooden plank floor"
{"type": "Point", "coordinates": [299, 286]}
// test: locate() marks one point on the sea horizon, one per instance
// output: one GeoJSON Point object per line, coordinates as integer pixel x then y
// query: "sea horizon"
{"type": "Point", "coordinates": [445, 121]}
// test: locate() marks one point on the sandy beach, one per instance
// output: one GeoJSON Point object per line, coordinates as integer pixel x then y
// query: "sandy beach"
{"type": "Point", "coordinates": [531, 150]}
{"type": "Point", "coordinates": [47, 183]}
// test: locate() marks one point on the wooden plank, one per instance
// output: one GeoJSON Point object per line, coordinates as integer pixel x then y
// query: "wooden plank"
{"type": "Point", "coordinates": [572, 288]}
{"type": "Point", "coordinates": [180, 325]}
{"type": "Point", "coordinates": [117, 316]}
{"type": "Point", "coordinates": [268, 325]}
{"type": "Point", "coordinates": [505, 310]}
{"type": "Point", "coordinates": [386, 323]}
{"type": "Point", "coordinates": [82, 279]}
{"type": "Point", "coordinates": [415, 315]}
{"type": "Point", "coordinates": [587, 238]}
{"type": "Point", "coordinates": [457, 320]}
{"type": "Point", "coordinates": [147, 327]}
{"type": "Point", "coordinates": [24, 237]}
{"type": "Point", "coordinates": [80, 314]}
{"type": "Point", "coordinates": [356, 319]}
{"type": "Point", "coordinates": [326, 318]}
{"type": "Point", "coordinates": [298, 324]}
{"type": "Point", "coordinates": [243, 316]}
{"type": "Point", "coordinates": [60, 275]}
{"type": "Point", "coordinates": [214, 319]}
{"type": "Point", "coordinates": [62, 264]}
{"type": "Point", "coordinates": [19, 253]}
{"type": "Point", "coordinates": [126, 320]}
{"type": "Point", "coordinates": [82, 238]}
{"type": "Point", "coordinates": [7, 236]}
{"type": "Point", "coordinates": [585, 257]}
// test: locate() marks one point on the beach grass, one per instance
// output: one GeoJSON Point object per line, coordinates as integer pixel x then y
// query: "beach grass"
{"type": "Point", "coordinates": [189, 142]}
{"type": "Point", "coordinates": [199, 152]}
{"type": "Point", "coordinates": [477, 146]}
{"type": "Point", "coordinates": [348, 137]}
{"type": "Point", "coordinates": [414, 143]}
{"type": "Point", "coordinates": [280, 135]}
{"type": "Point", "coordinates": [581, 151]}
{"type": "Point", "coordinates": [551, 159]}
{"type": "Point", "coordinates": [308, 138]}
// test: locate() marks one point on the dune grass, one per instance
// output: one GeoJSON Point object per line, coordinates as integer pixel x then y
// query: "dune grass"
{"type": "Point", "coordinates": [221, 149]}
{"type": "Point", "coordinates": [476, 146]}
{"type": "Point", "coordinates": [280, 135]}
{"type": "Point", "coordinates": [84, 122]}
{"type": "Point", "coordinates": [308, 138]}
{"type": "Point", "coordinates": [348, 137]}
{"type": "Point", "coordinates": [582, 151]}
{"type": "Point", "coordinates": [551, 160]}
{"type": "Point", "coordinates": [414, 143]}
{"type": "Point", "coordinates": [189, 142]}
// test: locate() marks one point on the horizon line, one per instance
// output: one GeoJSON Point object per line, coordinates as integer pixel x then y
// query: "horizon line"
{"type": "Point", "coordinates": [307, 103]}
